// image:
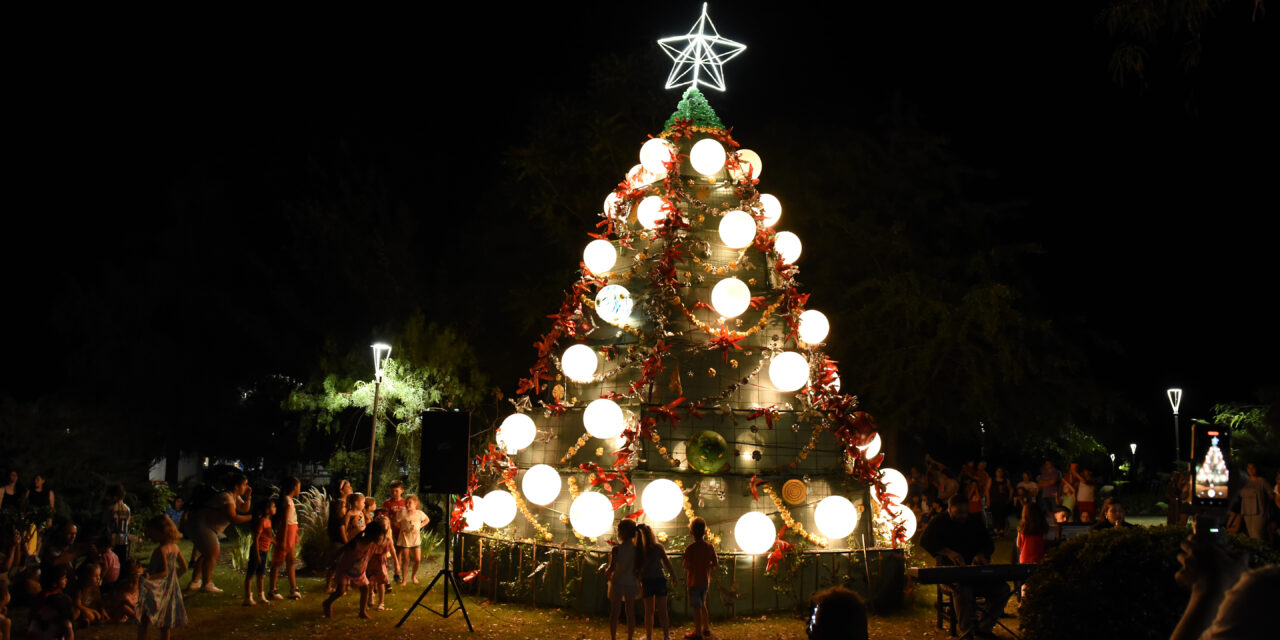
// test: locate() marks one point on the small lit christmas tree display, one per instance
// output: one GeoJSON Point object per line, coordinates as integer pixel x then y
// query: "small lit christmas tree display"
{"type": "Point", "coordinates": [683, 372]}
{"type": "Point", "coordinates": [1211, 477]}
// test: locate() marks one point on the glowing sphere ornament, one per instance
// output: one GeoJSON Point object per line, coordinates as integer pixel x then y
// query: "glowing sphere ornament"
{"type": "Point", "coordinates": [591, 515]}
{"type": "Point", "coordinates": [871, 449]}
{"type": "Point", "coordinates": [748, 160]}
{"type": "Point", "coordinates": [611, 203]}
{"type": "Point", "coordinates": [604, 419]}
{"type": "Point", "coordinates": [772, 209]}
{"type": "Point", "coordinates": [541, 484]}
{"type": "Point", "coordinates": [472, 516]}
{"type": "Point", "coordinates": [836, 517]}
{"type": "Point", "coordinates": [737, 229]}
{"type": "Point", "coordinates": [813, 326]}
{"type": "Point", "coordinates": [907, 518]}
{"type": "Point", "coordinates": [614, 304]}
{"type": "Point", "coordinates": [707, 452]}
{"type": "Point", "coordinates": [730, 297]}
{"type": "Point", "coordinates": [787, 245]}
{"type": "Point", "coordinates": [754, 533]}
{"type": "Point", "coordinates": [639, 177]}
{"type": "Point", "coordinates": [788, 371]}
{"type": "Point", "coordinates": [662, 500]}
{"type": "Point", "coordinates": [895, 485]}
{"type": "Point", "coordinates": [599, 256]}
{"type": "Point", "coordinates": [649, 212]}
{"type": "Point", "coordinates": [707, 157]}
{"type": "Point", "coordinates": [654, 153]}
{"type": "Point", "coordinates": [579, 363]}
{"type": "Point", "coordinates": [499, 509]}
{"type": "Point", "coordinates": [516, 432]}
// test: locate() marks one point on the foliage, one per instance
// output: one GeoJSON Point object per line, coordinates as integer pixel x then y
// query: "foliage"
{"type": "Point", "coordinates": [312, 507]}
{"type": "Point", "coordinates": [1068, 444]}
{"type": "Point", "coordinates": [236, 547]}
{"type": "Point", "coordinates": [149, 506]}
{"type": "Point", "coordinates": [1123, 579]}
{"type": "Point", "coordinates": [694, 106]}
{"type": "Point", "coordinates": [1252, 439]}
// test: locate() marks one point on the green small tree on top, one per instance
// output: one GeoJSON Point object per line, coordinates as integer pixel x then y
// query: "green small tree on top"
{"type": "Point", "coordinates": [693, 106]}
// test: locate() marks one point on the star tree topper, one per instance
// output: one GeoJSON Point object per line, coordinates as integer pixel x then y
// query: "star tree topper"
{"type": "Point", "coordinates": [696, 52]}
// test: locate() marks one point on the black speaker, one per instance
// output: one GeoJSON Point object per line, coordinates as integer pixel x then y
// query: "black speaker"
{"type": "Point", "coordinates": [445, 451]}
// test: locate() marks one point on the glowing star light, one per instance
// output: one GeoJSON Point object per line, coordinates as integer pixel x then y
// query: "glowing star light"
{"type": "Point", "coordinates": [696, 52]}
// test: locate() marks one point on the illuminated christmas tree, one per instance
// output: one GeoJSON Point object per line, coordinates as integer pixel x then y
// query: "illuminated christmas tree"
{"type": "Point", "coordinates": [1213, 472]}
{"type": "Point", "coordinates": [683, 372]}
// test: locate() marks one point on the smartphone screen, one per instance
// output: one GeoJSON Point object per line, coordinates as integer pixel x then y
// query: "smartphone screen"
{"type": "Point", "coordinates": [1211, 446]}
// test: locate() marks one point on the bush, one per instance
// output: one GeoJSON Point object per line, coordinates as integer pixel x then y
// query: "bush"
{"type": "Point", "coordinates": [313, 528]}
{"type": "Point", "coordinates": [1113, 584]}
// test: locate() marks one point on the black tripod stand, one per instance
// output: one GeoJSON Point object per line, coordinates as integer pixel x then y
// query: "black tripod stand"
{"type": "Point", "coordinates": [450, 578]}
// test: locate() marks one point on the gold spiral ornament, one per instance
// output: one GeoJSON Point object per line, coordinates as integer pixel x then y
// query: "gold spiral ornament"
{"type": "Point", "coordinates": [794, 491]}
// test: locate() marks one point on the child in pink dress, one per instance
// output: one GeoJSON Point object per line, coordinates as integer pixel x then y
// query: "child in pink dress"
{"type": "Point", "coordinates": [353, 559]}
{"type": "Point", "coordinates": [382, 552]}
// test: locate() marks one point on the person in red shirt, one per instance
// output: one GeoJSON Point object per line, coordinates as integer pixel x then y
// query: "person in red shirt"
{"type": "Point", "coordinates": [262, 539]}
{"type": "Point", "coordinates": [394, 508]}
{"type": "Point", "coordinates": [699, 559]}
{"type": "Point", "coordinates": [287, 539]}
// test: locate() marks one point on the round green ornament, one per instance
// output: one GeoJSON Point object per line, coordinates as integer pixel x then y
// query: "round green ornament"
{"type": "Point", "coordinates": [708, 452]}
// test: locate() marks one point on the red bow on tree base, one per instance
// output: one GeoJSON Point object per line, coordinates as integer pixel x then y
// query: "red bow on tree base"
{"type": "Point", "coordinates": [780, 548]}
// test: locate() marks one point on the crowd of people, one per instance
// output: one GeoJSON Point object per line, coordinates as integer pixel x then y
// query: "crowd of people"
{"type": "Point", "coordinates": [67, 580]}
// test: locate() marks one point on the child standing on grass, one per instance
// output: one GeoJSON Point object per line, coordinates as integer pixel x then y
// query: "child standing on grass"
{"type": "Point", "coordinates": [258, 548]}
{"type": "Point", "coordinates": [699, 559]}
{"type": "Point", "coordinates": [382, 552]}
{"type": "Point", "coordinates": [286, 539]}
{"type": "Point", "coordinates": [161, 598]}
{"type": "Point", "coordinates": [355, 522]}
{"type": "Point", "coordinates": [624, 581]}
{"type": "Point", "coordinates": [353, 559]}
{"type": "Point", "coordinates": [653, 583]}
{"type": "Point", "coordinates": [409, 538]}
{"type": "Point", "coordinates": [394, 508]}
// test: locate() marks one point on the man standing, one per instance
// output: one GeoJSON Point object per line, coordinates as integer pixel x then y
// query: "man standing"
{"type": "Point", "coordinates": [955, 538]}
{"type": "Point", "coordinates": [1050, 481]}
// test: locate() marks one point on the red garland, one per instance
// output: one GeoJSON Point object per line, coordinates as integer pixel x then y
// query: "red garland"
{"type": "Point", "coordinates": [780, 548]}
{"type": "Point", "coordinates": [602, 478]}
{"type": "Point", "coordinates": [770, 413]}
{"type": "Point", "coordinates": [681, 128]}
{"type": "Point", "coordinates": [669, 411]}
{"type": "Point", "coordinates": [725, 341]}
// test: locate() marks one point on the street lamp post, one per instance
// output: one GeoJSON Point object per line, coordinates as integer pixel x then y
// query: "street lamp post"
{"type": "Point", "coordinates": [1175, 399]}
{"type": "Point", "coordinates": [1113, 465]}
{"type": "Point", "coordinates": [1133, 458]}
{"type": "Point", "coordinates": [381, 353]}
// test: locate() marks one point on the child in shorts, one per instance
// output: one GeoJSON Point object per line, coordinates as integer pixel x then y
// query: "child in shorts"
{"type": "Point", "coordinates": [258, 548]}
{"type": "Point", "coordinates": [699, 559]}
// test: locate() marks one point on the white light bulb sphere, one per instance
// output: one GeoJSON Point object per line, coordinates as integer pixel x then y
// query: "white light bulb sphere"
{"type": "Point", "coordinates": [834, 385]}
{"type": "Point", "coordinates": [730, 297]}
{"type": "Point", "coordinates": [541, 484]}
{"type": "Point", "coordinates": [787, 245]}
{"type": "Point", "coordinates": [813, 326]}
{"type": "Point", "coordinates": [772, 209]}
{"type": "Point", "coordinates": [614, 304]}
{"type": "Point", "coordinates": [611, 203]}
{"type": "Point", "coordinates": [895, 485]}
{"type": "Point", "coordinates": [591, 515]}
{"type": "Point", "coordinates": [599, 256]}
{"type": "Point", "coordinates": [662, 500]}
{"type": "Point", "coordinates": [516, 432]}
{"type": "Point", "coordinates": [907, 518]}
{"type": "Point", "coordinates": [579, 363]}
{"type": "Point", "coordinates": [654, 154]}
{"type": "Point", "coordinates": [707, 157]}
{"type": "Point", "coordinates": [748, 159]}
{"type": "Point", "coordinates": [737, 229]}
{"type": "Point", "coordinates": [871, 449]}
{"type": "Point", "coordinates": [639, 177]}
{"type": "Point", "coordinates": [499, 509]}
{"type": "Point", "coordinates": [754, 532]}
{"type": "Point", "coordinates": [604, 419]}
{"type": "Point", "coordinates": [472, 516]}
{"type": "Point", "coordinates": [649, 213]}
{"type": "Point", "coordinates": [836, 517]}
{"type": "Point", "coordinates": [788, 371]}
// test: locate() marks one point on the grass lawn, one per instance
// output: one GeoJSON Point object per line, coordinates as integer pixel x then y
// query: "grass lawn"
{"type": "Point", "coordinates": [223, 616]}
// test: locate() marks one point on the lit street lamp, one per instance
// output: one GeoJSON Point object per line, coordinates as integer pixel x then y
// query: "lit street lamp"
{"type": "Point", "coordinates": [381, 353]}
{"type": "Point", "coordinates": [1113, 465]}
{"type": "Point", "coordinates": [1175, 399]}
{"type": "Point", "coordinates": [1133, 458]}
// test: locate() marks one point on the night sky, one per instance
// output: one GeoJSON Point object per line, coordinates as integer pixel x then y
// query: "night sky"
{"type": "Point", "coordinates": [149, 162]}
